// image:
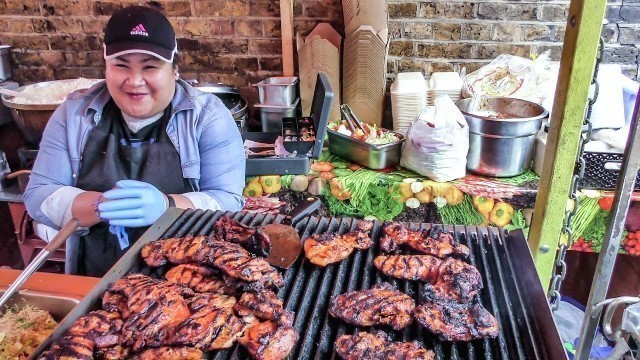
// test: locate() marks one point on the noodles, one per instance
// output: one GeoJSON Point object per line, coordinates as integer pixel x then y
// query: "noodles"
{"type": "Point", "coordinates": [21, 331]}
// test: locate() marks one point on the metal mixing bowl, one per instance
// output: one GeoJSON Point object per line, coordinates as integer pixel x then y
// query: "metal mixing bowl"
{"type": "Point", "coordinates": [501, 134]}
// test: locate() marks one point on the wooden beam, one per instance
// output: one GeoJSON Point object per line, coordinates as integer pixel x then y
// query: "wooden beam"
{"type": "Point", "coordinates": [286, 31]}
{"type": "Point", "coordinates": [584, 24]}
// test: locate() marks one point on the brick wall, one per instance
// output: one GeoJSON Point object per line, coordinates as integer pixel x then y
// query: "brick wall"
{"type": "Point", "coordinates": [238, 41]}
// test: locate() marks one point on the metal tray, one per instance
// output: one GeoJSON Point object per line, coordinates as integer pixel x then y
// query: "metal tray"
{"type": "Point", "coordinates": [58, 305]}
{"type": "Point", "coordinates": [374, 157]}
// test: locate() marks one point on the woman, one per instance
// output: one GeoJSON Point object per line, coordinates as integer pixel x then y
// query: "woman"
{"type": "Point", "coordinates": [116, 156]}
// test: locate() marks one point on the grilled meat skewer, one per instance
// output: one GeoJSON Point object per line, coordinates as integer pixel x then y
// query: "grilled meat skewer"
{"type": "Point", "coordinates": [251, 238]}
{"type": "Point", "coordinates": [449, 279]}
{"type": "Point", "coordinates": [327, 249]}
{"type": "Point", "coordinates": [170, 353]}
{"type": "Point", "coordinates": [453, 321]}
{"type": "Point", "coordinates": [268, 341]}
{"type": "Point", "coordinates": [380, 305]}
{"type": "Point", "coordinates": [227, 257]}
{"type": "Point", "coordinates": [434, 241]}
{"type": "Point", "coordinates": [374, 346]}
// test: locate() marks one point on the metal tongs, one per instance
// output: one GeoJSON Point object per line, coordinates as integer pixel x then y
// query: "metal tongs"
{"type": "Point", "coordinates": [351, 119]}
{"type": "Point", "coordinates": [69, 228]}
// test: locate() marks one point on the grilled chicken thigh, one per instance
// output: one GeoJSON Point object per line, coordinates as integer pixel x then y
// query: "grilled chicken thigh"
{"type": "Point", "coordinates": [251, 238]}
{"type": "Point", "coordinates": [198, 278]}
{"type": "Point", "coordinates": [448, 279]}
{"type": "Point", "coordinates": [227, 257]}
{"type": "Point", "coordinates": [434, 241]}
{"type": "Point", "coordinates": [453, 321]}
{"type": "Point", "coordinates": [170, 353]}
{"type": "Point", "coordinates": [380, 305]}
{"type": "Point", "coordinates": [374, 346]}
{"type": "Point", "coordinates": [327, 249]}
{"type": "Point", "coordinates": [268, 341]}
{"type": "Point", "coordinates": [265, 305]}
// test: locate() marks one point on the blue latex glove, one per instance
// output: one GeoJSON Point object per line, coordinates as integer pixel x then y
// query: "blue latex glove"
{"type": "Point", "coordinates": [123, 237]}
{"type": "Point", "coordinates": [133, 204]}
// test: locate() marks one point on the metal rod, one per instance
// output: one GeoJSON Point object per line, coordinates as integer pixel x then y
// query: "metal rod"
{"type": "Point", "coordinates": [612, 238]}
{"type": "Point", "coordinates": [22, 278]}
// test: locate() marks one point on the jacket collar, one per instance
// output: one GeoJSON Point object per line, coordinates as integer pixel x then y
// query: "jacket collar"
{"type": "Point", "coordinates": [99, 95]}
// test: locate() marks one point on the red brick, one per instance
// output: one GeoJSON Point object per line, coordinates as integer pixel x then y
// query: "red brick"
{"type": "Point", "coordinates": [57, 24]}
{"type": "Point", "coordinates": [243, 65]}
{"type": "Point", "coordinates": [66, 8]}
{"type": "Point", "coordinates": [20, 7]}
{"type": "Point", "coordinates": [93, 25]}
{"type": "Point", "coordinates": [19, 26]}
{"type": "Point", "coordinates": [32, 75]}
{"type": "Point", "coordinates": [265, 47]}
{"type": "Point", "coordinates": [27, 42]}
{"type": "Point", "coordinates": [75, 42]}
{"type": "Point", "coordinates": [107, 7]}
{"type": "Point", "coordinates": [248, 28]}
{"type": "Point", "coordinates": [271, 63]}
{"type": "Point", "coordinates": [176, 8]}
{"type": "Point", "coordinates": [272, 28]}
{"type": "Point", "coordinates": [229, 8]}
{"type": "Point", "coordinates": [222, 27]}
{"type": "Point", "coordinates": [266, 8]}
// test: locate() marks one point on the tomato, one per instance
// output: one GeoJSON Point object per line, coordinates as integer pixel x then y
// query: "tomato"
{"type": "Point", "coordinates": [605, 202]}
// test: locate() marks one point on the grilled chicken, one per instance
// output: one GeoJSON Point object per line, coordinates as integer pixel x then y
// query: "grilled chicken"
{"type": "Point", "coordinates": [115, 302]}
{"type": "Point", "coordinates": [327, 249]}
{"type": "Point", "coordinates": [267, 341]}
{"type": "Point", "coordinates": [434, 241]}
{"type": "Point", "coordinates": [170, 353]}
{"type": "Point", "coordinates": [227, 257]}
{"type": "Point", "coordinates": [97, 329]}
{"type": "Point", "coordinates": [374, 346]}
{"type": "Point", "coordinates": [449, 279]}
{"type": "Point", "coordinates": [156, 308]}
{"type": "Point", "coordinates": [380, 305]}
{"type": "Point", "coordinates": [117, 352]}
{"type": "Point", "coordinates": [211, 325]}
{"type": "Point", "coordinates": [453, 321]}
{"type": "Point", "coordinates": [265, 305]}
{"type": "Point", "coordinates": [251, 238]}
{"type": "Point", "coordinates": [198, 278]}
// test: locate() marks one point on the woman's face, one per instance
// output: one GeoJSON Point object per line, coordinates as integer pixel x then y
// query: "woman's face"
{"type": "Point", "coordinates": [140, 84]}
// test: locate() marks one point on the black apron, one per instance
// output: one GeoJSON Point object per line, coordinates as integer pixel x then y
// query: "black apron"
{"type": "Point", "coordinates": [114, 153]}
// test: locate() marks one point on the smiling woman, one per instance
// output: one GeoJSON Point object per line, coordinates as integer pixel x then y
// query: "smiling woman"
{"type": "Point", "coordinates": [118, 155]}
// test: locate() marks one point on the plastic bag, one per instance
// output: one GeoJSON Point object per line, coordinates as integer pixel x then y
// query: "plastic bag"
{"type": "Point", "coordinates": [512, 76]}
{"type": "Point", "coordinates": [437, 142]}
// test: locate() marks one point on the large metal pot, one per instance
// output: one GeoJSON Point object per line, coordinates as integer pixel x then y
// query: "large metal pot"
{"type": "Point", "coordinates": [501, 134]}
{"type": "Point", "coordinates": [230, 96]}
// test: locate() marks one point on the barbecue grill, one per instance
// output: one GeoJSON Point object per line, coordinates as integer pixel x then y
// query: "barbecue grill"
{"type": "Point", "coordinates": [512, 291]}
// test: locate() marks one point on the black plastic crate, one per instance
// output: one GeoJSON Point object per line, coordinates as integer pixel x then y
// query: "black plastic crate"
{"type": "Point", "coordinates": [602, 169]}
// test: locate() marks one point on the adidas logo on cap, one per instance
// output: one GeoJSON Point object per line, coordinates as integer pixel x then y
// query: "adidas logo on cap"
{"type": "Point", "coordinates": [139, 30]}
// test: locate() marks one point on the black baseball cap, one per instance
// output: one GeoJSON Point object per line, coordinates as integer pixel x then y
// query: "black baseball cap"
{"type": "Point", "coordinates": [140, 29]}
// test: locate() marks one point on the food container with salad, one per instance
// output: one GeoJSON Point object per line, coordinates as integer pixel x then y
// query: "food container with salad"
{"type": "Point", "coordinates": [375, 147]}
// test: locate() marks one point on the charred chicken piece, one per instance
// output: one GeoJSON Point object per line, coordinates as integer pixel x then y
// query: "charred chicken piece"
{"type": "Point", "coordinates": [380, 305]}
{"type": "Point", "coordinates": [117, 352]}
{"type": "Point", "coordinates": [227, 257]}
{"type": "Point", "coordinates": [198, 278]}
{"type": "Point", "coordinates": [448, 279]}
{"type": "Point", "coordinates": [268, 341]}
{"type": "Point", "coordinates": [453, 321]}
{"type": "Point", "coordinates": [97, 329]}
{"type": "Point", "coordinates": [265, 305]}
{"type": "Point", "coordinates": [115, 302]}
{"type": "Point", "coordinates": [251, 238]}
{"type": "Point", "coordinates": [433, 241]}
{"type": "Point", "coordinates": [156, 308]}
{"type": "Point", "coordinates": [170, 353]}
{"type": "Point", "coordinates": [327, 249]}
{"type": "Point", "coordinates": [71, 348]}
{"type": "Point", "coordinates": [211, 325]}
{"type": "Point", "coordinates": [374, 346]}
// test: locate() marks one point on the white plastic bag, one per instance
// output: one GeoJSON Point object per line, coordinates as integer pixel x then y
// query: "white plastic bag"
{"type": "Point", "coordinates": [437, 142]}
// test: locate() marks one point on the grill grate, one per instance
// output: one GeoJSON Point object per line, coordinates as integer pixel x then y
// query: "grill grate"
{"type": "Point", "coordinates": [512, 292]}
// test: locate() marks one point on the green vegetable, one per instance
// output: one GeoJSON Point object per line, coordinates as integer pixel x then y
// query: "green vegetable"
{"type": "Point", "coordinates": [594, 233]}
{"type": "Point", "coordinates": [27, 325]}
{"type": "Point", "coordinates": [461, 214]}
{"type": "Point", "coordinates": [340, 164]}
{"type": "Point", "coordinates": [286, 181]}
{"type": "Point", "coordinates": [588, 209]}
{"type": "Point", "coordinates": [341, 172]}
{"type": "Point", "coordinates": [517, 221]}
{"type": "Point", "coordinates": [521, 179]}
{"type": "Point", "coordinates": [377, 202]}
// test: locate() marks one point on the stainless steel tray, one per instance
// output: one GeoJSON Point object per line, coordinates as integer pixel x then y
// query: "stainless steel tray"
{"type": "Point", "coordinates": [58, 305]}
{"type": "Point", "coordinates": [374, 157]}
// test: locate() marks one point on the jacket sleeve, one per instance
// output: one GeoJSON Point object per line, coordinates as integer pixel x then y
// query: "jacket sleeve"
{"type": "Point", "coordinates": [222, 162]}
{"type": "Point", "coordinates": [52, 169]}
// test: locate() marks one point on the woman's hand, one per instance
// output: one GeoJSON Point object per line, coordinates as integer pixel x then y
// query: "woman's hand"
{"type": "Point", "coordinates": [133, 204]}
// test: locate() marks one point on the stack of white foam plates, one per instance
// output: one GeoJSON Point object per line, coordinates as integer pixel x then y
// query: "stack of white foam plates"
{"type": "Point", "coordinates": [408, 98]}
{"type": "Point", "coordinates": [444, 84]}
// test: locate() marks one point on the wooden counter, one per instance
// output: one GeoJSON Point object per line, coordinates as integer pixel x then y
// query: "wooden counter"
{"type": "Point", "coordinates": [58, 283]}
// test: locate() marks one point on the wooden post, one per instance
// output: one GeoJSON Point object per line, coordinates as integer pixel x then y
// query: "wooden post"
{"type": "Point", "coordinates": [286, 31]}
{"type": "Point", "coordinates": [584, 24]}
